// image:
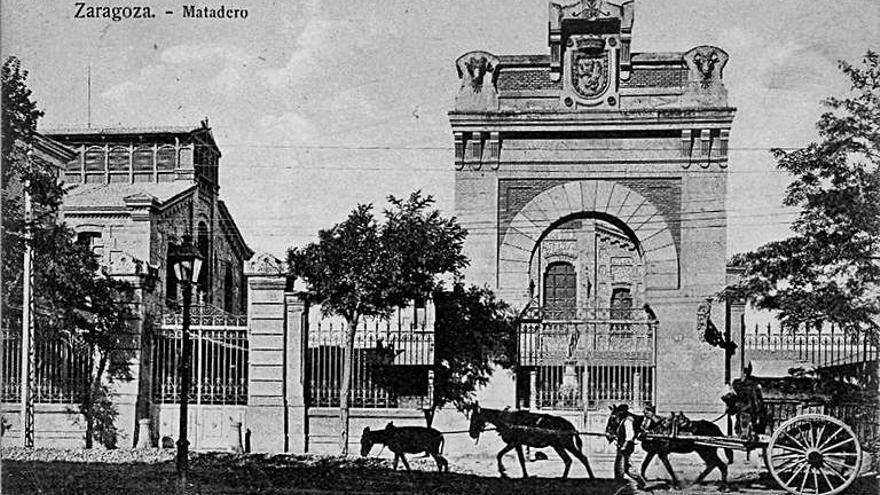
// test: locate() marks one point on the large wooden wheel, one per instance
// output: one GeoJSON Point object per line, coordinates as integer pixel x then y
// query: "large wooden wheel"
{"type": "Point", "coordinates": [814, 454]}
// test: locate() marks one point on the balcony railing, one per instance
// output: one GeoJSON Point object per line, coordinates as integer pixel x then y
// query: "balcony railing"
{"type": "Point", "coordinates": [600, 336]}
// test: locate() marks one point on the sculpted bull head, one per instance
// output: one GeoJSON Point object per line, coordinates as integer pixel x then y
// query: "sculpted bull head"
{"type": "Point", "coordinates": [706, 64]}
{"type": "Point", "coordinates": [474, 67]}
{"type": "Point", "coordinates": [477, 68]}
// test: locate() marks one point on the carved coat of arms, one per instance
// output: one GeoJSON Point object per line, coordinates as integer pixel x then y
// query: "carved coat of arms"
{"type": "Point", "coordinates": [590, 74]}
{"type": "Point", "coordinates": [590, 68]}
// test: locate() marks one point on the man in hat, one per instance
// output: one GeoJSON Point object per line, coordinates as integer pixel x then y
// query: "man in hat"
{"type": "Point", "coordinates": [627, 430]}
{"type": "Point", "coordinates": [651, 421]}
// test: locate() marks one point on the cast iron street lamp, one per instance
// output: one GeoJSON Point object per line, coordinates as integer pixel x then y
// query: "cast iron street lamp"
{"type": "Point", "coordinates": [187, 262]}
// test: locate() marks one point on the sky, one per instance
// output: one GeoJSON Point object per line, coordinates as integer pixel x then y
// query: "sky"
{"type": "Point", "coordinates": [317, 106]}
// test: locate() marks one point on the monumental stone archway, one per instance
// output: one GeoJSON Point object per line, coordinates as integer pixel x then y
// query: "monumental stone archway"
{"type": "Point", "coordinates": [621, 205]}
{"type": "Point", "coordinates": [592, 181]}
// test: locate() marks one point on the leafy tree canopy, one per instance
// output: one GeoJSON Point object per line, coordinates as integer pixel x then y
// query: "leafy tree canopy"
{"type": "Point", "coordinates": [828, 271]}
{"type": "Point", "coordinates": [473, 332]}
{"type": "Point", "coordinates": [361, 267]}
{"type": "Point", "coordinates": [74, 299]}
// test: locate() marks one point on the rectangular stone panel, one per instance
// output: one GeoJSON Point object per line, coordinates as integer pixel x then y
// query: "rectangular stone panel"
{"type": "Point", "coordinates": [265, 388]}
{"type": "Point", "coordinates": [272, 372]}
{"type": "Point", "coordinates": [261, 311]}
{"type": "Point", "coordinates": [266, 342]}
{"type": "Point", "coordinates": [258, 356]}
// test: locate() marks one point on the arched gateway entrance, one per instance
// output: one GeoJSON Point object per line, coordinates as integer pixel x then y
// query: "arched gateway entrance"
{"type": "Point", "coordinates": [587, 252]}
{"type": "Point", "coordinates": [592, 180]}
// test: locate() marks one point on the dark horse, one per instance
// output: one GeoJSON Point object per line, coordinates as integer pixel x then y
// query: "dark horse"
{"type": "Point", "coordinates": [518, 428]}
{"type": "Point", "coordinates": [663, 447]}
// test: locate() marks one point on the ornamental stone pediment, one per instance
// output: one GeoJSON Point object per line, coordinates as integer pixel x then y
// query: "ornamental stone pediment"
{"type": "Point", "coordinates": [265, 264]}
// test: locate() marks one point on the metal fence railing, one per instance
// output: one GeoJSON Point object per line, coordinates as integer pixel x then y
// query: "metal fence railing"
{"type": "Point", "coordinates": [392, 362]}
{"type": "Point", "coordinates": [61, 369]}
{"type": "Point", "coordinates": [827, 345]}
{"type": "Point", "coordinates": [564, 387]}
{"type": "Point", "coordinates": [603, 356]}
{"type": "Point", "coordinates": [219, 363]}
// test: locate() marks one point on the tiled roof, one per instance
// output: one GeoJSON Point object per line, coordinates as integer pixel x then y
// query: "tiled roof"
{"type": "Point", "coordinates": [103, 196]}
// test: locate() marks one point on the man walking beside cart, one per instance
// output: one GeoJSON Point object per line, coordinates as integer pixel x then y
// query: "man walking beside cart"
{"type": "Point", "coordinates": [625, 437]}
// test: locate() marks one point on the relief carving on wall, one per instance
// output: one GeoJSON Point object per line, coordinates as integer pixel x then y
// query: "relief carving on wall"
{"type": "Point", "coordinates": [265, 264]}
{"type": "Point", "coordinates": [478, 72]}
{"type": "Point", "coordinates": [559, 249]}
{"type": "Point", "coordinates": [590, 68]}
{"type": "Point", "coordinates": [705, 70]}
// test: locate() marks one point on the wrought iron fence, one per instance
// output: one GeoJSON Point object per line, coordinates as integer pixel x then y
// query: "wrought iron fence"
{"type": "Point", "coordinates": [219, 363]}
{"type": "Point", "coordinates": [606, 355]}
{"type": "Point", "coordinates": [828, 345]}
{"type": "Point", "coordinates": [61, 369]}
{"type": "Point", "coordinates": [392, 363]}
{"type": "Point", "coordinates": [563, 387]}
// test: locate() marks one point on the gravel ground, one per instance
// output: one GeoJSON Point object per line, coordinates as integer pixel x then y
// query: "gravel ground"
{"type": "Point", "coordinates": [133, 472]}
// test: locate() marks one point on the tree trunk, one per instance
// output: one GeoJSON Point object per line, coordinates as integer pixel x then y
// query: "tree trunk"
{"type": "Point", "coordinates": [88, 405]}
{"type": "Point", "coordinates": [345, 387]}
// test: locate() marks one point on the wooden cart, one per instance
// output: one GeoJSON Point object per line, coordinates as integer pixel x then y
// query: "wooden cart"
{"type": "Point", "coordinates": [810, 454]}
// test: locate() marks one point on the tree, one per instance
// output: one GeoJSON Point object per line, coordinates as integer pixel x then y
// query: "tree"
{"type": "Point", "coordinates": [473, 332]}
{"type": "Point", "coordinates": [829, 270]}
{"type": "Point", "coordinates": [74, 299]}
{"type": "Point", "coordinates": [361, 268]}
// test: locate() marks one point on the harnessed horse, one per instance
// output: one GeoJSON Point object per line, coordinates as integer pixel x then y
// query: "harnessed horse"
{"type": "Point", "coordinates": [662, 447]}
{"type": "Point", "coordinates": [518, 428]}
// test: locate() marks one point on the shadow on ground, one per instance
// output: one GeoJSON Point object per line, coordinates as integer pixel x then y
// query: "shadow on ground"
{"type": "Point", "coordinates": [289, 474]}
{"type": "Point", "coordinates": [281, 474]}
{"type": "Point", "coordinates": [751, 484]}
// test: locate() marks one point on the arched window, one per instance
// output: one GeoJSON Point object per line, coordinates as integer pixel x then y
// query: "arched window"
{"type": "Point", "coordinates": [621, 304]}
{"type": "Point", "coordinates": [92, 241]}
{"type": "Point", "coordinates": [143, 160]}
{"type": "Point", "coordinates": [203, 243]}
{"type": "Point", "coordinates": [94, 160]}
{"type": "Point", "coordinates": [118, 160]}
{"type": "Point", "coordinates": [165, 158]}
{"type": "Point", "coordinates": [560, 291]}
{"type": "Point", "coordinates": [170, 278]}
{"type": "Point", "coordinates": [228, 289]}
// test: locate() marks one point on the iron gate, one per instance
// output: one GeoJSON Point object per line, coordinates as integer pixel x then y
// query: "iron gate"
{"type": "Point", "coordinates": [582, 364]}
{"type": "Point", "coordinates": [219, 363]}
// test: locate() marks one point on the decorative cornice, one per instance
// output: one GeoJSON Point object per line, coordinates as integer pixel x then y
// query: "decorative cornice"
{"type": "Point", "coordinates": [142, 206]}
{"type": "Point", "coordinates": [555, 121]}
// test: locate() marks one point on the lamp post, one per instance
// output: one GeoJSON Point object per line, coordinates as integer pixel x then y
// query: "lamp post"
{"type": "Point", "coordinates": [187, 262]}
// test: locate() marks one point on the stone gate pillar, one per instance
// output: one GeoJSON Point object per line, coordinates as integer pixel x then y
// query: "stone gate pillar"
{"type": "Point", "coordinates": [296, 340]}
{"type": "Point", "coordinates": [266, 411]}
